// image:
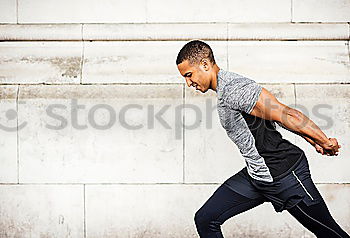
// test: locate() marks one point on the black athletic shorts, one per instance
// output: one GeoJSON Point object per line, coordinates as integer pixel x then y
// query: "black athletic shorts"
{"type": "Point", "coordinates": [284, 192]}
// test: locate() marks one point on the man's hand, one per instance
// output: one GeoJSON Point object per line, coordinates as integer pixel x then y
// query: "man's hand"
{"type": "Point", "coordinates": [324, 151]}
{"type": "Point", "coordinates": [331, 147]}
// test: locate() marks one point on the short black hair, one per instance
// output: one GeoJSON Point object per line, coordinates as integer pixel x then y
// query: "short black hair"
{"type": "Point", "coordinates": [194, 51]}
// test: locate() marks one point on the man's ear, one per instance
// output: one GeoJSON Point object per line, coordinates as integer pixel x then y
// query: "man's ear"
{"type": "Point", "coordinates": [204, 63]}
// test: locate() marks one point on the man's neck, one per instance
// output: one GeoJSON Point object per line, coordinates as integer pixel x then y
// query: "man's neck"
{"type": "Point", "coordinates": [214, 81]}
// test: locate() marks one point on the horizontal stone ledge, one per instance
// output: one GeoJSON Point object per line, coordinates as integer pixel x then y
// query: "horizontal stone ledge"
{"type": "Point", "coordinates": [154, 61]}
{"type": "Point", "coordinates": [41, 32]}
{"type": "Point", "coordinates": [174, 31]}
{"type": "Point", "coordinates": [139, 184]}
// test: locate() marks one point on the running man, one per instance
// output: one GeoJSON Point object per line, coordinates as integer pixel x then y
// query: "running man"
{"type": "Point", "coordinates": [276, 170]}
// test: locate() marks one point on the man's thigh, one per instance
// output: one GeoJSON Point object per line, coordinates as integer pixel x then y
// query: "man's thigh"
{"type": "Point", "coordinates": [228, 201]}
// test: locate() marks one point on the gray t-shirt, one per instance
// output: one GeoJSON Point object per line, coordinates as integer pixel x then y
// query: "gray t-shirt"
{"type": "Point", "coordinates": [268, 156]}
{"type": "Point", "coordinates": [236, 93]}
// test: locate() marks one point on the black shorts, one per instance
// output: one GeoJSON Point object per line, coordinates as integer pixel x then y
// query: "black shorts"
{"type": "Point", "coordinates": [284, 192]}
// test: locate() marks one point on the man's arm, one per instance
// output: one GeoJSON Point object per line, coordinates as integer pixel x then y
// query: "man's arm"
{"type": "Point", "coordinates": [311, 141]}
{"type": "Point", "coordinates": [318, 148]}
{"type": "Point", "coordinates": [269, 108]}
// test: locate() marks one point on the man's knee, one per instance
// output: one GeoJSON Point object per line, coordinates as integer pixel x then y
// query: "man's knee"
{"type": "Point", "coordinates": [206, 222]}
{"type": "Point", "coordinates": [199, 217]}
{"type": "Point", "coordinates": [204, 218]}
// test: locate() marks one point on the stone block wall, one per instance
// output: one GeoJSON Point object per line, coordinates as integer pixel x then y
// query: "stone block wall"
{"type": "Point", "coordinates": [100, 136]}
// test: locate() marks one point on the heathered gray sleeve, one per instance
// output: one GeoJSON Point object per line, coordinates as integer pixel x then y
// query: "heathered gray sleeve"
{"type": "Point", "coordinates": [242, 94]}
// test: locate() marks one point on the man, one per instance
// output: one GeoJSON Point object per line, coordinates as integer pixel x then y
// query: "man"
{"type": "Point", "coordinates": [277, 171]}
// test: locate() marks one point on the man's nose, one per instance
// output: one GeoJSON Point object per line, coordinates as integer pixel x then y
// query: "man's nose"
{"type": "Point", "coordinates": [188, 83]}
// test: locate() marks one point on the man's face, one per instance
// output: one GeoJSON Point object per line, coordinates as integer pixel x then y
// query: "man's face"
{"type": "Point", "coordinates": [197, 76]}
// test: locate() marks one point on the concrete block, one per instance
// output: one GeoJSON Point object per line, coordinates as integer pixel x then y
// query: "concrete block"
{"type": "Point", "coordinates": [155, 32]}
{"type": "Point", "coordinates": [41, 211]}
{"type": "Point", "coordinates": [288, 31]}
{"type": "Point", "coordinates": [81, 11]}
{"type": "Point", "coordinates": [8, 11]}
{"type": "Point", "coordinates": [138, 61]}
{"type": "Point", "coordinates": [8, 134]}
{"type": "Point", "coordinates": [328, 107]}
{"type": "Point", "coordinates": [321, 11]}
{"type": "Point", "coordinates": [106, 133]}
{"type": "Point", "coordinates": [292, 61]}
{"type": "Point", "coordinates": [206, 142]}
{"type": "Point", "coordinates": [225, 11]}
{"type": "Point", "coordinates": [42, 32]}
{"type": "Point", "coordinates": [40, 62]}
{"type": "Point", "coordinates": [142, 210]}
